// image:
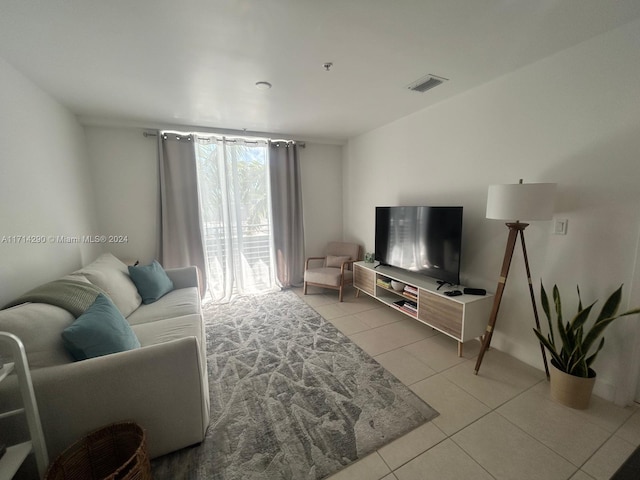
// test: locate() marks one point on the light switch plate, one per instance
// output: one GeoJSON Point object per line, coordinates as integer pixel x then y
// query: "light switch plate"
{"type": "Point", "coordinates": [560, 226]}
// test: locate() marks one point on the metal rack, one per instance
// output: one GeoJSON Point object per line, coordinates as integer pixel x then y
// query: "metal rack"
{"type": "Point", "coordinates": [15, 455]}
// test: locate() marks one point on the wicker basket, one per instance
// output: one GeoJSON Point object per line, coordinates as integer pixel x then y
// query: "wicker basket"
{"type": "Point", "coordinates": [114, 452]}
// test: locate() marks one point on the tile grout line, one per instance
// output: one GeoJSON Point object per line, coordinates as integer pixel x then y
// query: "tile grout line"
{"type": "Point", "coordinates": [578, 467]}
{"type": "Point", "coordinates": [612, 434]}
{"type": "Point", "coordinates": [491, 409]}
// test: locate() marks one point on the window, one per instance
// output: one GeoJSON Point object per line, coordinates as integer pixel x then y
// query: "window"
{"type": "Point", "coordinates": [233, 177]}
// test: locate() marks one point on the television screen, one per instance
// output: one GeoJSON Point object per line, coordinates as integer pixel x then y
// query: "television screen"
{"type": "Point", "coordinates": [426, 240]}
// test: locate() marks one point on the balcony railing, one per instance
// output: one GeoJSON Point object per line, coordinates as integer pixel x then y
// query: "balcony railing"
{"type": "Point", "coordinates": [250, 247]}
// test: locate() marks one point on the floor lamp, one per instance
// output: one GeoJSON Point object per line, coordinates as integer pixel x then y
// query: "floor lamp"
{"type": "Point", "coordinates": [515, 202]}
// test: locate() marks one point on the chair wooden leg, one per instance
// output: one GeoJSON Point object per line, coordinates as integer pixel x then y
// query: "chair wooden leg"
{"type": "Point", "coordinates": [305, 288]}
{"type": "Point", "coordinates": [340, 294]}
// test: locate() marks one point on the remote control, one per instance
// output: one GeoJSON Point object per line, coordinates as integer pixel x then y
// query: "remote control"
{"type": "Point", "coordinates": [453, 293]}
{"type": "Point", "coordinates": [475, 291]}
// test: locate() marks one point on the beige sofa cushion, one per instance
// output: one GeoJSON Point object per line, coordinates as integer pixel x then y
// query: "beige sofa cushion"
{"type": "Point", "coordinates": [327, 276]}
{"type": "Point", "coordinates": [169, 329]}
{"type": "Point", "coordinates": [112, 276]}
{"type": "Point", "coordinates": [334, 261]}
{"type": "Point", "coordinates": [38, 325]}
{"type": "Point", "coordinates": [177, 303]}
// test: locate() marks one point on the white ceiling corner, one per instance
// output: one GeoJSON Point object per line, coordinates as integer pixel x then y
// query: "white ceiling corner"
{"type": "Point", "coordinates": [196, 62]}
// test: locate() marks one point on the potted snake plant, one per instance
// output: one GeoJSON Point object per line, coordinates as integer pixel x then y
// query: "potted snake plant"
{"type": "Point", "coordinates": [576, 346]}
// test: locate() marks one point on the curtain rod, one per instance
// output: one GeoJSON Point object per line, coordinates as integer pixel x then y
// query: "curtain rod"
{"type": "Point", "coordinates": [231, 140]}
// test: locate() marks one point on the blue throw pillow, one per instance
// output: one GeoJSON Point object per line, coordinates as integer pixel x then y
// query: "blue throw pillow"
{"type": "Point", "coordinates": [100, 330]}
{"type": "Point", "coordinates": [151, 281]}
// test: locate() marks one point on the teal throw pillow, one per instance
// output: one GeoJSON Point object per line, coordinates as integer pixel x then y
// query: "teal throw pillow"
{"type": "Point", "coordinates": [100, 330]}
{"type": "Point", "coordinates": [151, 281]}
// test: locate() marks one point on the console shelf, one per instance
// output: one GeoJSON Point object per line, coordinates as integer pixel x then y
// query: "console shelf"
{"type": "Point", "coordinates": [463, 317]}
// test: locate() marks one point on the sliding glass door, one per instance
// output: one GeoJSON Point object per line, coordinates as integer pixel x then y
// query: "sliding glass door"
{"type": "Point", "coordinates": [233, 177]}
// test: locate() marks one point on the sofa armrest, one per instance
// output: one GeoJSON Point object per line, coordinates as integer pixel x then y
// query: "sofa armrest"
{"type": "Point", "coordinates": [162, 387]}
{"type": "Point", "coordinates": [184, 277]}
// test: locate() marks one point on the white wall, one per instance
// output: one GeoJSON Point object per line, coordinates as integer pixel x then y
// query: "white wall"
{"type": "Point", "coordinates": [321, 179]}
{"type": "Point", "coordinates": [124, 168]}
{"type": "Point", "coordinates": [44, 186]}
{"type": "Point", "coordinates": [574, 119]}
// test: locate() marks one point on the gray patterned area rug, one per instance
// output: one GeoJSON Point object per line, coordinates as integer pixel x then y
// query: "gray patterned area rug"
{"type": "Point", "coordinates": [291, 397]}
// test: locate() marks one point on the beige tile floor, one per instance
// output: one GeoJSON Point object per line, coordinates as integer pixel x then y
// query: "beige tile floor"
{"type": "Point", "coordinates": [500, 424]}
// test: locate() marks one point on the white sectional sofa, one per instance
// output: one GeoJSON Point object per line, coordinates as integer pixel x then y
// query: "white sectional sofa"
{"type": "Point", "coordinates": [162, 385]}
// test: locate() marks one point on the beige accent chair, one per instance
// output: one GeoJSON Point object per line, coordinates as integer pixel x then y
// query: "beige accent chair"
{"type": "Point", "coordinates": [337, 267]}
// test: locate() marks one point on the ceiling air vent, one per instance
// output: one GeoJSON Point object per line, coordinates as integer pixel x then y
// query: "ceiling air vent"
{"type": "Point", "coordinates": [426, 83]}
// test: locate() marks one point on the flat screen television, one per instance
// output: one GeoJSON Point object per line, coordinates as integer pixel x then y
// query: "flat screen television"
{"type": "Point", "coordinates": [425, 240]}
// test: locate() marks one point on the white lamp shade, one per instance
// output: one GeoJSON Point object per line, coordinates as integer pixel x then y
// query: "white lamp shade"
{"type": "Point", "coordinates": [521, 201]}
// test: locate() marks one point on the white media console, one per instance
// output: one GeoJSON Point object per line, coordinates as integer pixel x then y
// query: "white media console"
{"type": "Point", "coordinates": [463, 318]}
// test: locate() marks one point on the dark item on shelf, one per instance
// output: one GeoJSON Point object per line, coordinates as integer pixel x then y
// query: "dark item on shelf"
{"type": "Point", "coordinates": [475, 291]}
{"type": "Point", "coordinates": [442, 283]}
{"type": "Point", "coordinates": [453, 293]}
{"type": "Point", "coordinates": [3, 450]}
{"type": "Point", "coordinates": [407, 306]}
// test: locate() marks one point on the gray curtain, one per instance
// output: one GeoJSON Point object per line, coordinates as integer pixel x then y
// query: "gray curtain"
{"type": "Point", "coordinates": [286, 204]}
{"type": "Point", "coordinates": [181, 241]}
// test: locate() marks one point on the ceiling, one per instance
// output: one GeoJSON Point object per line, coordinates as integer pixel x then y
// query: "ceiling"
{"type": "Point", "coordinates": [195, 62]}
